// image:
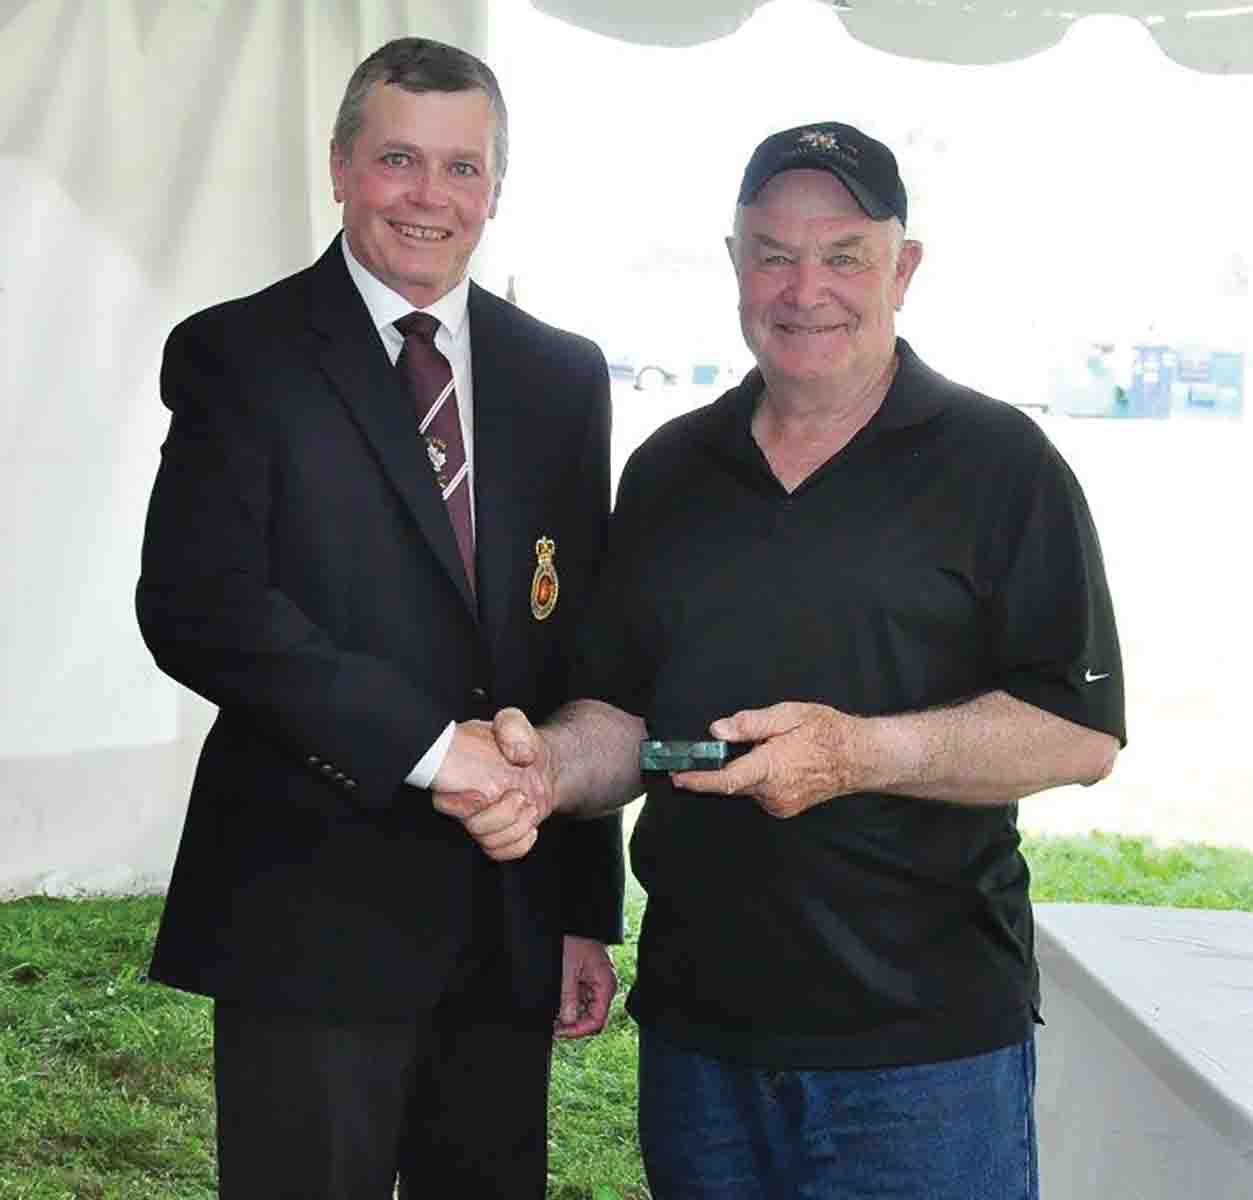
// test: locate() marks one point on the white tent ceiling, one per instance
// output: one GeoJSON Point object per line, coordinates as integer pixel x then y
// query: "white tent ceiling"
{"type": "Point", "coordinates": [1207, 35]}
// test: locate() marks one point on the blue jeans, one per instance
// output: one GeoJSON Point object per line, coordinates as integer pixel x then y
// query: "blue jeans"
{"type": "Point", "coordinates": [957, 1130]}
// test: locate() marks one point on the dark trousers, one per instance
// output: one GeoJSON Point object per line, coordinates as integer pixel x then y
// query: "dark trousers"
{"type": "Point", "coordinates": [455, 1100]}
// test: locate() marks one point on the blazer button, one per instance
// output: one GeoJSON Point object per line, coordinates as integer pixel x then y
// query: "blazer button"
{"type": "Point", "coordinates": [478, 695]}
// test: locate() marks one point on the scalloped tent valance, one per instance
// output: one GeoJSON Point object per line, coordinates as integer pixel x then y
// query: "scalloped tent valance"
{"type": "Point", "coordinates": [1215, 36]}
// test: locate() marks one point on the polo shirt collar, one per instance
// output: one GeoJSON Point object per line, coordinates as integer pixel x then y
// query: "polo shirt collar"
{"type": "Point", "coordinates": [916, 394]}
{"type": "Point", "coordinates": [725, 426]}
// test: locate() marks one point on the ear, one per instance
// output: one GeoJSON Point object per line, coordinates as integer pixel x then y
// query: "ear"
{"type": "Point", "coordinates": [491, 212]}
{"type": "Point", "coordinates": [339, 164]}
{"type": "Point", "coordinates": [729, 242]}
{"type": "Point", "coordinates": [906, 264]}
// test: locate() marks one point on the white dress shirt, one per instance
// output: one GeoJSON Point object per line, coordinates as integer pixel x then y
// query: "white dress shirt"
{"type": "Point", "coordinates": [452, 340]}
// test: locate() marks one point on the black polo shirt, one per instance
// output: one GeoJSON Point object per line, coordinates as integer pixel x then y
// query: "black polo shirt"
{"type": "Point", "coordinates": [947, 551]}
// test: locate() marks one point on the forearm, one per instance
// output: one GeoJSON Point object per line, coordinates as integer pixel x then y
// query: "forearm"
{"type": "Point", "coordinates": [991, 750]}
{"type": "Point", "coordinates": [594, 754]}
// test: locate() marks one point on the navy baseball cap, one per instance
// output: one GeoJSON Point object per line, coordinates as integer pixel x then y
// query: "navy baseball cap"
{"type": "Point", "coordinates": [866, 167]}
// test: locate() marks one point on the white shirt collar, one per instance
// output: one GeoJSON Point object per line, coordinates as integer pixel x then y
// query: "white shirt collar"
{"type": "Point", "coordinates": [386, 305]}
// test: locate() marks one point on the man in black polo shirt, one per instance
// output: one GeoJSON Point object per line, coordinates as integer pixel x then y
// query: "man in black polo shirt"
{"type": "Point", "coordinates": [893, 586]}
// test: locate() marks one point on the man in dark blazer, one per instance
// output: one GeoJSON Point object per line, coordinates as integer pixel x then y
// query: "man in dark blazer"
{"type": "Point", "coordinates": [385, 991]}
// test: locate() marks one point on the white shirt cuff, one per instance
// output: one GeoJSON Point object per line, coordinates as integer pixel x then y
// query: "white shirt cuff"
{"type": "Point", "coordinates": [423, 774]}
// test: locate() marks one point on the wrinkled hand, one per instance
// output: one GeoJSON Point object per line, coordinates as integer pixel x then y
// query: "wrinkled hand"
{"type": "Point", "coordinates": [806, 753]}
{"type": "Point", "coordinates": [496, 781]}
{"type": "Point", "coordinates": [588, 984]}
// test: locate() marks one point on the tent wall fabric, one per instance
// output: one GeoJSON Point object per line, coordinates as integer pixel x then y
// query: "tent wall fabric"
{"type": "Point", "coordinates": [155, 157]}
{"type": "Point", "coordinates": [1207, 35]}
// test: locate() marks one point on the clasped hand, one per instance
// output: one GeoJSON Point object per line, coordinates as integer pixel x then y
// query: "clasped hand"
{"type": "Point", "coordinates": [497, 780]}
{"type": "Point", "coordinates": [804, 754]}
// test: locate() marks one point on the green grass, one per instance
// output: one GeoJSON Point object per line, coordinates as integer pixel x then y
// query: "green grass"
{"type": "Point", "coordinates": [593, 1148]}
{"type": "Point", "coordinates": [1107, 869]}
{"type": "Point", "coordinates": [106, 1084]}
{"type": "Point", "coordinates": [106, 1090]}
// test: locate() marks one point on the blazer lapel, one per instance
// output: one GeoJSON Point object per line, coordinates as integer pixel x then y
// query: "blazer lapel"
{"type": "Point", "coordinates": [354, 360]}
{"type": "Point", "coordinates": [501, 440]}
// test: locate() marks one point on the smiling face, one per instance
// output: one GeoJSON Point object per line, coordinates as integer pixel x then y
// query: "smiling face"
{"type": "Point", "coordinates": [819, 282]}
{"type": "Point", "coordinates": [417, 185]}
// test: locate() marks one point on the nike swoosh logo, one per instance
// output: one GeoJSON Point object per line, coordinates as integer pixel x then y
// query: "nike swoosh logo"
{"type": "Point", "coordinates": [1088, 677]}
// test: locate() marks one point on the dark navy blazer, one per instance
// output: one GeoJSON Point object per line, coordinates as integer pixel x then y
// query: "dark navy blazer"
{"type": "Point", "coordinates": [300, 572]}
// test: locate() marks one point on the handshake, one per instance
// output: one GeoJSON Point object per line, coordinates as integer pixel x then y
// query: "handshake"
{"type": "Point", "coordinates": [499, 780]}
{"type": "Point", "coordinates": [502, 779]}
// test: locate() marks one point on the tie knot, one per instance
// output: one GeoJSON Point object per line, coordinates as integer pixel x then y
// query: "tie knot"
{"type": "Point", "coordinates": [417, 324]}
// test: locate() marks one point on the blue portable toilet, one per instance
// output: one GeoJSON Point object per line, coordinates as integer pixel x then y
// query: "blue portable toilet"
{"type": "Point", "coordinates": [1152, 374]}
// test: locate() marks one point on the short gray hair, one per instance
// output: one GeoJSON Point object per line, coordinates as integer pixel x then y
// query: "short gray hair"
{"type": "Point", "coordinates": [421, 65]}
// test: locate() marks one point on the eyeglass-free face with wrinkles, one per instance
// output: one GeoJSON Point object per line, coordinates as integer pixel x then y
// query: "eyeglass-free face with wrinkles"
{"type": "Point", "coordinates": [418, 185]}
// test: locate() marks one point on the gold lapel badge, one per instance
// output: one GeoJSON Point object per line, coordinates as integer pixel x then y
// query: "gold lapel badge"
{"type": "Point", "coordinates": [544, 583]}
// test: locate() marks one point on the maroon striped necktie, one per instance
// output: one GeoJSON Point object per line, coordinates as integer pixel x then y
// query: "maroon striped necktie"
{"type": "Point", "coordinates": [429, 379]}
